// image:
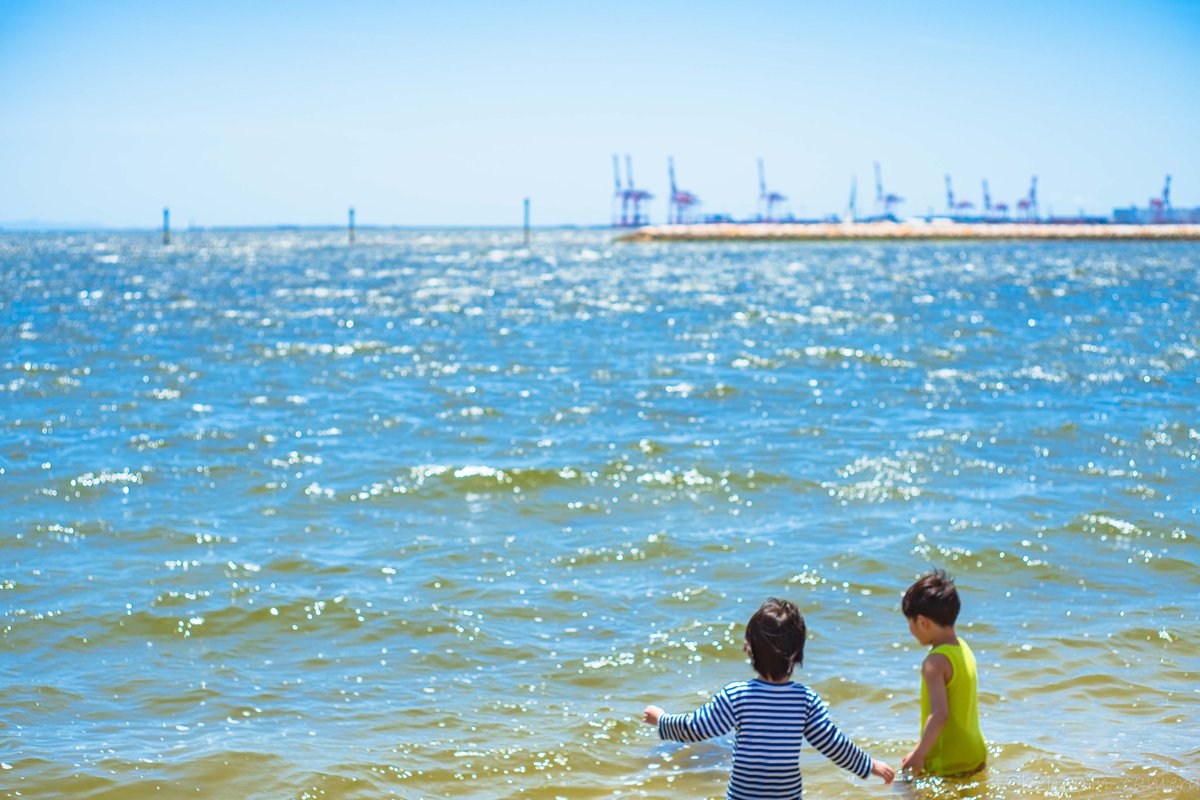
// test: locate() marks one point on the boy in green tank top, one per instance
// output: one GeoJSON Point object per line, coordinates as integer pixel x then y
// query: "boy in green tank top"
{"type": "Point", "coordinates": [951, 742]}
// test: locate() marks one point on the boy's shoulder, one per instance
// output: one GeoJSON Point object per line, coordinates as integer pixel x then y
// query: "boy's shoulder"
{"type": "Point", "coordinates": [754, 685]}
{"type": "Point", "coordinates": [736, 687]}
{"type": "Point", "coordinates": [958, 647]}
{"type": "Point", "coordinates": [760, 697]}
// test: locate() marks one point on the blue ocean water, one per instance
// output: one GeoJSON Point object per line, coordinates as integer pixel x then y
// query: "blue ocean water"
{"type": "Point", "coordinates": [436, 514]}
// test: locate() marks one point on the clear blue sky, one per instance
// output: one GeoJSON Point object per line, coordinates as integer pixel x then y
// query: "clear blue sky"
{"type": "Point", "coordinates": [248, 113]}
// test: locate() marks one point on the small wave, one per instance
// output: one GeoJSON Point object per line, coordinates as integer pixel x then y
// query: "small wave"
{"type": "Point", "coordinates": [849, 354]}
{"type": "Point", "coordinates": [329, 349]}
{"type": "Point", "coordinates": [656, 546]}
{"type": "Point", "coordinates": [470, 413]}
{"type": "Point", "coordinates": [443, 480]}
{"type": "Point", "coordinates": [261, 622]}
{"type": "Point", "coordinates": [94, 484]}
{"type": "Point", "coordinates": [668, 650]}
{"type": "Point", "coordinates": [878, 479]}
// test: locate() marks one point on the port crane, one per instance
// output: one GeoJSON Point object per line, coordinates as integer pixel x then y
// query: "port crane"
{"type": "Point", "coordinates": [766, 200]}
{"type": "Point", "coordinates": [620, 197]}
{"type": "Point", "coordinates": [632, 199]}
{"type": "Point", "coordinates": [886, 203]}
{"type": "Point", "coordinates": [1028, 205]}
{"type": "Point", "coordinates": [1160, 207]}
{"type": "Point", "coordinates": [681, 201]}
{"type": "Point", "coordinates": [989, 206]}
{"type": "Point", "coordinates": [961, 205]}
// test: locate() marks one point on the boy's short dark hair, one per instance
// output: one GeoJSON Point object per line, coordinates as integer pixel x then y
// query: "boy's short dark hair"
{"type": "Point", "coordinates": [776, 635]}
{"type": "Point", "coordinates": [932, 596]}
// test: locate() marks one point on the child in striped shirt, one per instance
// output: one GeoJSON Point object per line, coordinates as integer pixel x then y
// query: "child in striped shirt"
{"type": "Point", "coordinates": [771, 715]}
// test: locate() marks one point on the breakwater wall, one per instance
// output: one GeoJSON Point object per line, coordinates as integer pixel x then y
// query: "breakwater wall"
{"type": "Point", "coordinates": [909, 230]}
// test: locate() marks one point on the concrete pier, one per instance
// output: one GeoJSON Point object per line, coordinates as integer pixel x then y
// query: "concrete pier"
{"type": "Point", "coordinates": [910, 230]}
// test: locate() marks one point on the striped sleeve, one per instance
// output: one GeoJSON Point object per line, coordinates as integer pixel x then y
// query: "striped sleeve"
{"type": "Point", "coordinates": [714, 718]}
{"type": "Point", "coordinates": [822, 734]}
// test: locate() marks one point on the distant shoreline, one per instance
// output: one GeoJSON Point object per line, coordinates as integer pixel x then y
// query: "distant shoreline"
{"type": "Point", "coordinates": [910, 231]}
{"type": "Point", "coordinates": [51, 228]}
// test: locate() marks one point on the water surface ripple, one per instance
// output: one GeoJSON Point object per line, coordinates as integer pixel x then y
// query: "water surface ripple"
{"type": "Point", "coordinates": [435, 515]}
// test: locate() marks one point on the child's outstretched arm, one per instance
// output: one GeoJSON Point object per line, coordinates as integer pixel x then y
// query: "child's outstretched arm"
{"type": "Point", "coordinates": [822, 734]}
{"type": "Point", "coordinates": [714, 718]}
{"type": "Point", "coordinates": [936, 671]}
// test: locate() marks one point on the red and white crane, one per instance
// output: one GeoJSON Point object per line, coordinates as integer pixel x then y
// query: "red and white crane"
{"type": "Point", "coordinates": [681, 201]}
{"type": "Point", "coordinates": [1028, 205]}
{"type": "Point", "coordinates": [634, 198]}
{"type": "Point", "coordinates": [961, 205]}
{"type": "Point", "coordinates": [1160, 207]}
{"type": "Point", "coordinates": [989, 207]}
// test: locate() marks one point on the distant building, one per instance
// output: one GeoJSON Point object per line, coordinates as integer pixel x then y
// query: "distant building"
{"type": "Point", "coordinates": [1156, 215]}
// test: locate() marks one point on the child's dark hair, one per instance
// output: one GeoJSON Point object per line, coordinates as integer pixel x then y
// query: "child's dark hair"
{"type": "Point", "coordinates": [933, 596]}
{"type": "Point", "coordinates": [776, 636]}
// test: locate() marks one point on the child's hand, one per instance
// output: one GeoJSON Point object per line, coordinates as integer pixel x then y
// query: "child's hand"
{"type": "Point", "coordinates": [913, 762]}
{"type": "Point", "coordinates": [882, 770]}
{"type": "Point", "coordinates": [651, 715]}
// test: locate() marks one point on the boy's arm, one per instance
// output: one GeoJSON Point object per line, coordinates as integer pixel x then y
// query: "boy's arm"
{"type": "Point", "coordinates": [714, 718]}
{"type": "Point", "coordinates": [822, 734]}
{"type": "Point", "coordinates": [936, 671]}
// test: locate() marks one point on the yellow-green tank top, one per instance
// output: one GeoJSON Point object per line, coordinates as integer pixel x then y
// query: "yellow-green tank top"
{"type": "Point", "coordinates": [959, 747]}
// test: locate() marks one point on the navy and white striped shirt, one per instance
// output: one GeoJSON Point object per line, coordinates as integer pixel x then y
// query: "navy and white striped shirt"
{"type": "Point", "coordinates": [772, 721]}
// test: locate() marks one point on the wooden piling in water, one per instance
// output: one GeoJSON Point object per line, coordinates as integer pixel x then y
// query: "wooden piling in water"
{"type": "Point", "coordinates": [350, 230]}
{"type": "Point", "coordinates": [166, 225]}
